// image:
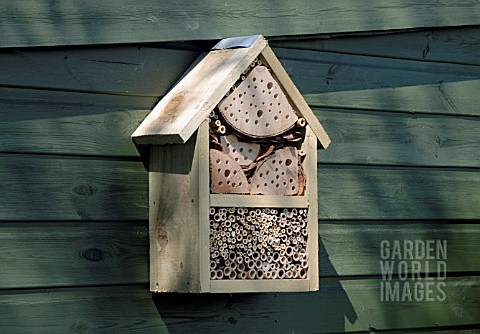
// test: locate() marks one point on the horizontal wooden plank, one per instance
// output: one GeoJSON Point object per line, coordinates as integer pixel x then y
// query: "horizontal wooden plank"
{"type": "Point", "coordinates": [284, 285]}
{"type": "Point", "coordinates": [339, 306]}
{"type": "Point", "coordinates": [351, 81]}
{"type": "Point", "coordinates": [129, 70]}
{"type": "Point", "coordinates": [399, 139]}
{"type": "Point", "coordinates": [265, 201]}
{"type": "Point", "coordinates": [90, 189]}
{"type": "Point", "coordinates": [346, 193]}
{"type": "Point", "coordinates": [456, 45]}
{"type": "Point", "coordinates": [103, 253]}
{"type": "Point", "coordinates": [102, 127]}
{"type": "Point", "coordinates": [69, 254]}
{"type": "Point", "coordinates": [38, 121]}
{"type": "Point", "coordinates": [355, 248]}
{"type": "Point", "coordinates": [119, 309]}
{"type": "Point", "coordinates": [55, 188]}
{"type": "Point", "coordinates": [33, 23]}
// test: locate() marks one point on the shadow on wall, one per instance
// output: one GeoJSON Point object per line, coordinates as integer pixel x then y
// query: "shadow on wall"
{"type": "Point", "coordinates": [326, 310]}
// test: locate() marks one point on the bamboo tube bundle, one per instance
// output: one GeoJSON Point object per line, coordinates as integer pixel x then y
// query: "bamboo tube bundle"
{"type": "Point", "coordinates": [270, 245]}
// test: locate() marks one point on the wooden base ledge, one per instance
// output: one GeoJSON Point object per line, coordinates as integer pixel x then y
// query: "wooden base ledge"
{"type": "Point", "coordinates": [284, 285]}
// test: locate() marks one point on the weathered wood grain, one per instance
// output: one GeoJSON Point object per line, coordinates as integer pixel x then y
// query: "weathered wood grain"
{"type": "Point", "coordinates": [397, 193]}
{"type": "Point", "coordinates": [34, 23]}
{"type": "Point", "coordinates": [107, 253]}
{"type": "Point", "coordinates": [100, 125]}
{"type": "Point", "coordinates": [39, 255]}
{"type": "Point", "coordinates": [339, 306]}
{"type": "Point", "coordinates": [174, 229]}
{"type": "Point", "coordinates": [455, 45]}
{"type": "Point", "coordinates": [354, 248]}
{"type": "Point", "coordinates": [353, 81]}
{"type": "Point", "coordinates": [373, 138]}
{"type": "Point", "coordinates": [128, 70]}
{"type": "Point", "coordinates": [43, 121]}
{"type": "Point", "coordinates": [178, 115]}
{"type": "Point", "coordinates": [36, 188]}
{"type": "Point", "coordinates": [91, 189]}
{"type": "Point", "coordinates": [122, 309]}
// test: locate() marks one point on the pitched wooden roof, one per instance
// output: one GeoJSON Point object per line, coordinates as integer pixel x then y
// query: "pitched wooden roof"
{"type": "Point", "coordinates": [178, 115]}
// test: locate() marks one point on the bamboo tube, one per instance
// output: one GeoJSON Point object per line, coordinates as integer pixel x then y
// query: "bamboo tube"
{"type": "Point", "coordinates": [213, 265]}
{"type": "Point", "coordinates": [258, 264]}
{"type": "Point", "coordinates": [280, 273]}
{"type": "Point", "coordinates": [265, 266]}
{"type": "Point", "coordinates": [268, 275]}
{"type": "Point", "coordinates": [289, 251]}
{"type": "Point", "coordinates": [304, 264]}
{"type": "Point", "coordinates": [302, 273]}
{"type": "Point", "coordinates": [260, 274]}
{"type": "Point", "coordinates": [255, 256]}
{"type": "Point", "coordinates": [276, 257]}
{"type": "Point", "coordinates": [233, 265]}
{"type": "Point", "coordinates": [241, 267]}
{"type": "Point", "coordinates": [212, 211]}
{"type": "Point", "coordinates": [242, 275]}
{"type": "Point", "coordinates": [252, 274]}
{"type": "Point", "coordinates": [219, 273]}
{"type": "Point", "coordinates": [233, 275]}
{"type": "Point", "coordinates": [213, 274]}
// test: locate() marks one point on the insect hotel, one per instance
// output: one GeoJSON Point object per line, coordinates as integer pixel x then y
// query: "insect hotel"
{"type": "Point", "coordinates": [231, 153]}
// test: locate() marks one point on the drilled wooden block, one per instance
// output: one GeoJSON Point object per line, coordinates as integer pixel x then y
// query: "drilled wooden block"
{"type": "Point", "coordinates": [227, 177]}
{"type": "Point", "coordinates": [258, 107]}
{"type": "Point", "coordinates": [278, 174]}
{"type": "Point", "coordinates": [241, 152]}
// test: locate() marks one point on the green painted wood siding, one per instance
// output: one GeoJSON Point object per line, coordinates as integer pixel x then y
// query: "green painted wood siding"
{"type": "Point", "coordinates": [69, 22]}
{"type": "Point", "coordinates": [403, 164]}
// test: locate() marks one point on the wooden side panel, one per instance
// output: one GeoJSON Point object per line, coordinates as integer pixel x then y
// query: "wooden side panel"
{"type": "Point", "coordinates": [174, 217]}
{"type": "Point", "coordinates": [310, 147]}
{"type": "Point", "coordinates": [33, 23]}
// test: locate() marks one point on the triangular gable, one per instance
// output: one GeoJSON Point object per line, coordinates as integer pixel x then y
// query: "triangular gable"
{"type": "Point", "coordinates": [179, 114]}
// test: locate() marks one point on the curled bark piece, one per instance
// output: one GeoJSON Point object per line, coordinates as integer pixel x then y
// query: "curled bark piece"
{"type": "Point", "coordinates": [227, 177]}
{"type": "Point", "coordinates": [278, 174]}
{"type": "Point", "coordinates": [258, 107]}
{"type": "Point", "coordinates": [242, 152]}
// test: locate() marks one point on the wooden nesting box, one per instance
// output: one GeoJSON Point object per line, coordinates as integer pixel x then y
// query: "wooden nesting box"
{"type": "Point", "coordinates": [231, 152]}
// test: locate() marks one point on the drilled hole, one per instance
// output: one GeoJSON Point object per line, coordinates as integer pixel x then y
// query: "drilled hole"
{"type": "Point", "coordinates": [275, 96]}
{"type": "Point", "coordinates": [259, 113]}
{"type": "Point", "coordinates": [270, 85]}
{"type": "Point", "coordinates": [227, 172]}
{"type": "Point", "coordinates": [217, 161]}
{"type": "Point", "coordinates": [267, 125]}
{"type": "Point", "coordinates": [254, 79]}
{"type": "Point", "coordinates": [288, 162]}
{"type": "Point", "coordinates": [220, 183]}
{"type": "Point", "coordinates": [256, 122]}
{"type": "Point", "coordinates": [247, 120]}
